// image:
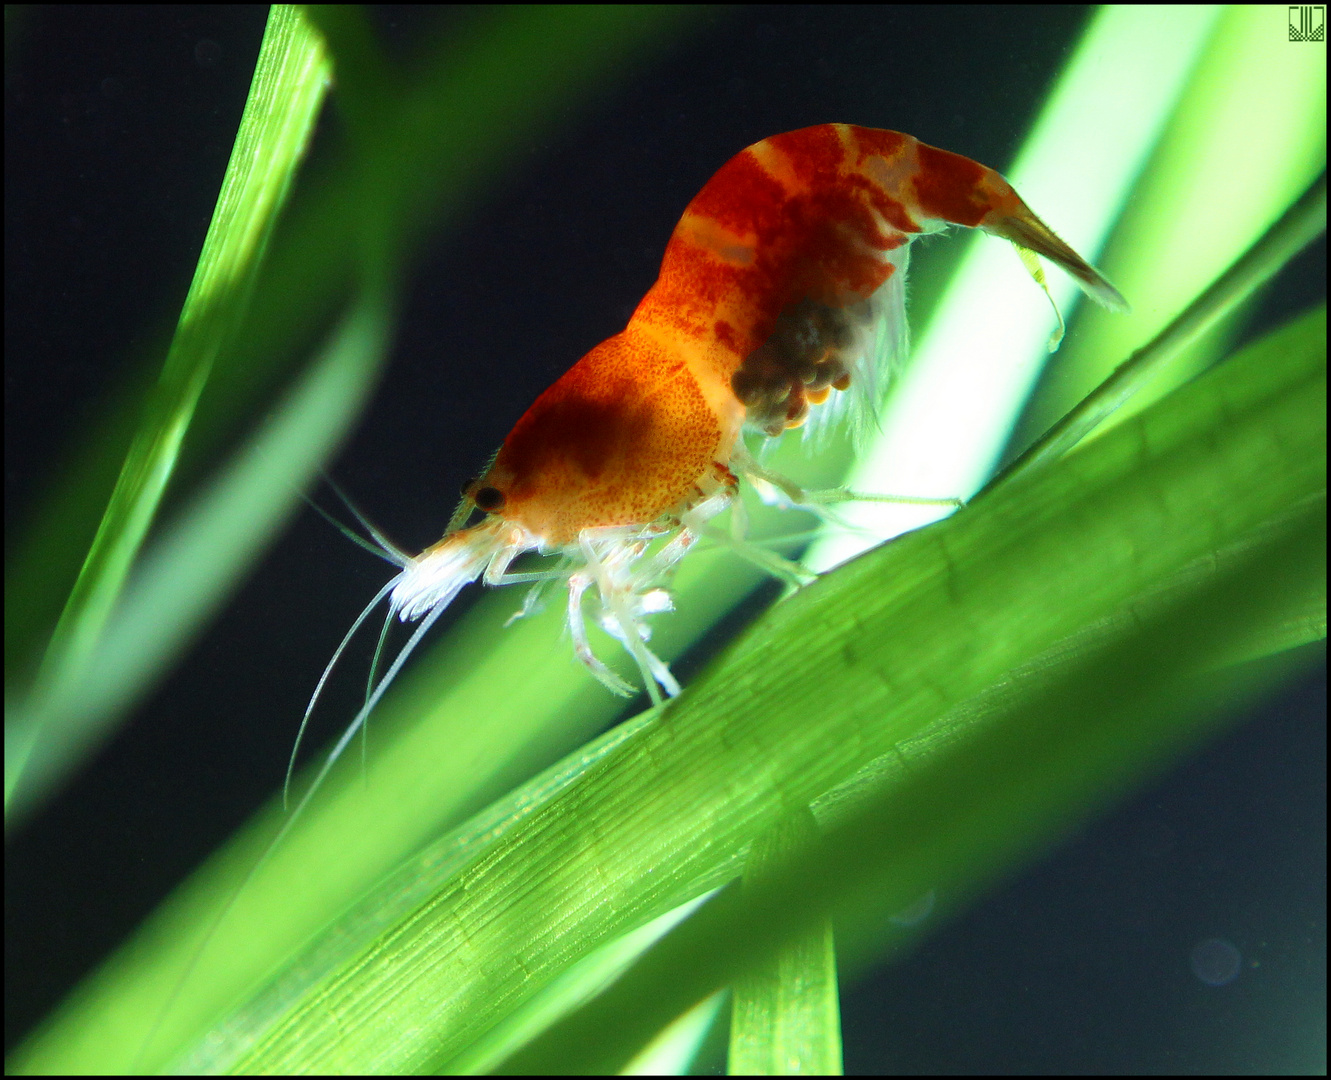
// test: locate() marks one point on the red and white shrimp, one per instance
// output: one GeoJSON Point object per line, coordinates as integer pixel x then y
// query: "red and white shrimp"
{"type": "Point", "coordinates": [780, 302]}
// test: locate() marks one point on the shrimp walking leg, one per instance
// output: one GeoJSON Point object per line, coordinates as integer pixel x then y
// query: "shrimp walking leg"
{"type": "Point", "coordinates": [815, 499]}
{"type": "Point", "coordinates": [577, 585]}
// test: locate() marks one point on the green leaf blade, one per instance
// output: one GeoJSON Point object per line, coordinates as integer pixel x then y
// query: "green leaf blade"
{"type": "Point", "coordinates": [861, 650]}
{"type": "Point", "coordinates": [47, 719]}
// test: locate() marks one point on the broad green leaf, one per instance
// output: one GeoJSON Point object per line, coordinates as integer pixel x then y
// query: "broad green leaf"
{"type": "Point", "coordinates": [1061, 750]}
{"type": "Point", "coordinates": [659, 811]}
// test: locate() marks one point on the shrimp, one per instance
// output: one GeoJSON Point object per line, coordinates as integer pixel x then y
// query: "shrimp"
{"type": "Point", "coordinates": [780, 304]}
{"type": "Point", "coordinates": [780, 301]}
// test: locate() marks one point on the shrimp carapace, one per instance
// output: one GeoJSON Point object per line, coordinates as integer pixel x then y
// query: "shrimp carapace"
{"type": "Point", "coordinates": [780, 300]}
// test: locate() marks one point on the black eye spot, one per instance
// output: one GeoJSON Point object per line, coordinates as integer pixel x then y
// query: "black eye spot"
{"type": "Point", "coordinates": [489, 499]}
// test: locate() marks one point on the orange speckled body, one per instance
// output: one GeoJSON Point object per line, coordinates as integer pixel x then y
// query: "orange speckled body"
{"type": "Point", "coordinates": [622, 438]}
{"type": "Point", "coordinates": [774, 283]}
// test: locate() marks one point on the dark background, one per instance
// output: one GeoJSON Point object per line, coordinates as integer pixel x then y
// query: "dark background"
{"type": "Point", "coordinates": [118, 124]}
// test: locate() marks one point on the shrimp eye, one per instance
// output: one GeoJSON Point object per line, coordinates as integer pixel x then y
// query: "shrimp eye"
{"type": "Point", "coordinates": [489, 499]}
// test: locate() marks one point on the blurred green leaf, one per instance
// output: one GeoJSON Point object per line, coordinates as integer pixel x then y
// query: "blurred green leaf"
{"type": "Point", "coordinates": [1298, 226]}
{"type": "Point", "coordinates": [1166, 247]}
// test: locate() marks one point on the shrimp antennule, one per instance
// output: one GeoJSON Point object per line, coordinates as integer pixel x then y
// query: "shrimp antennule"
{"type": "Point", "coordinates": [319, 686]}
{"type": "Point", "coordinates": [378, 544]}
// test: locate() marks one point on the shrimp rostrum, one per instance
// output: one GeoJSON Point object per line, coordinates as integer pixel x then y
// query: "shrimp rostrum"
{"type": "Point", "coordinates": [780, 303]}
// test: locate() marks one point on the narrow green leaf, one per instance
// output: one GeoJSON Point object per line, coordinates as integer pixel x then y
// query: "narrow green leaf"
{"type": "Point", "coordinates": [53, 724]}
{"type": "Point", "coordinates": [786, 1012]}
{"type": "Point", "coordinates": [512, 68]}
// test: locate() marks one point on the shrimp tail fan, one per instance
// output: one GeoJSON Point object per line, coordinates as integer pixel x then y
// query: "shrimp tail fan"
{"type": "Point", "coordinates": [1026, 230]}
